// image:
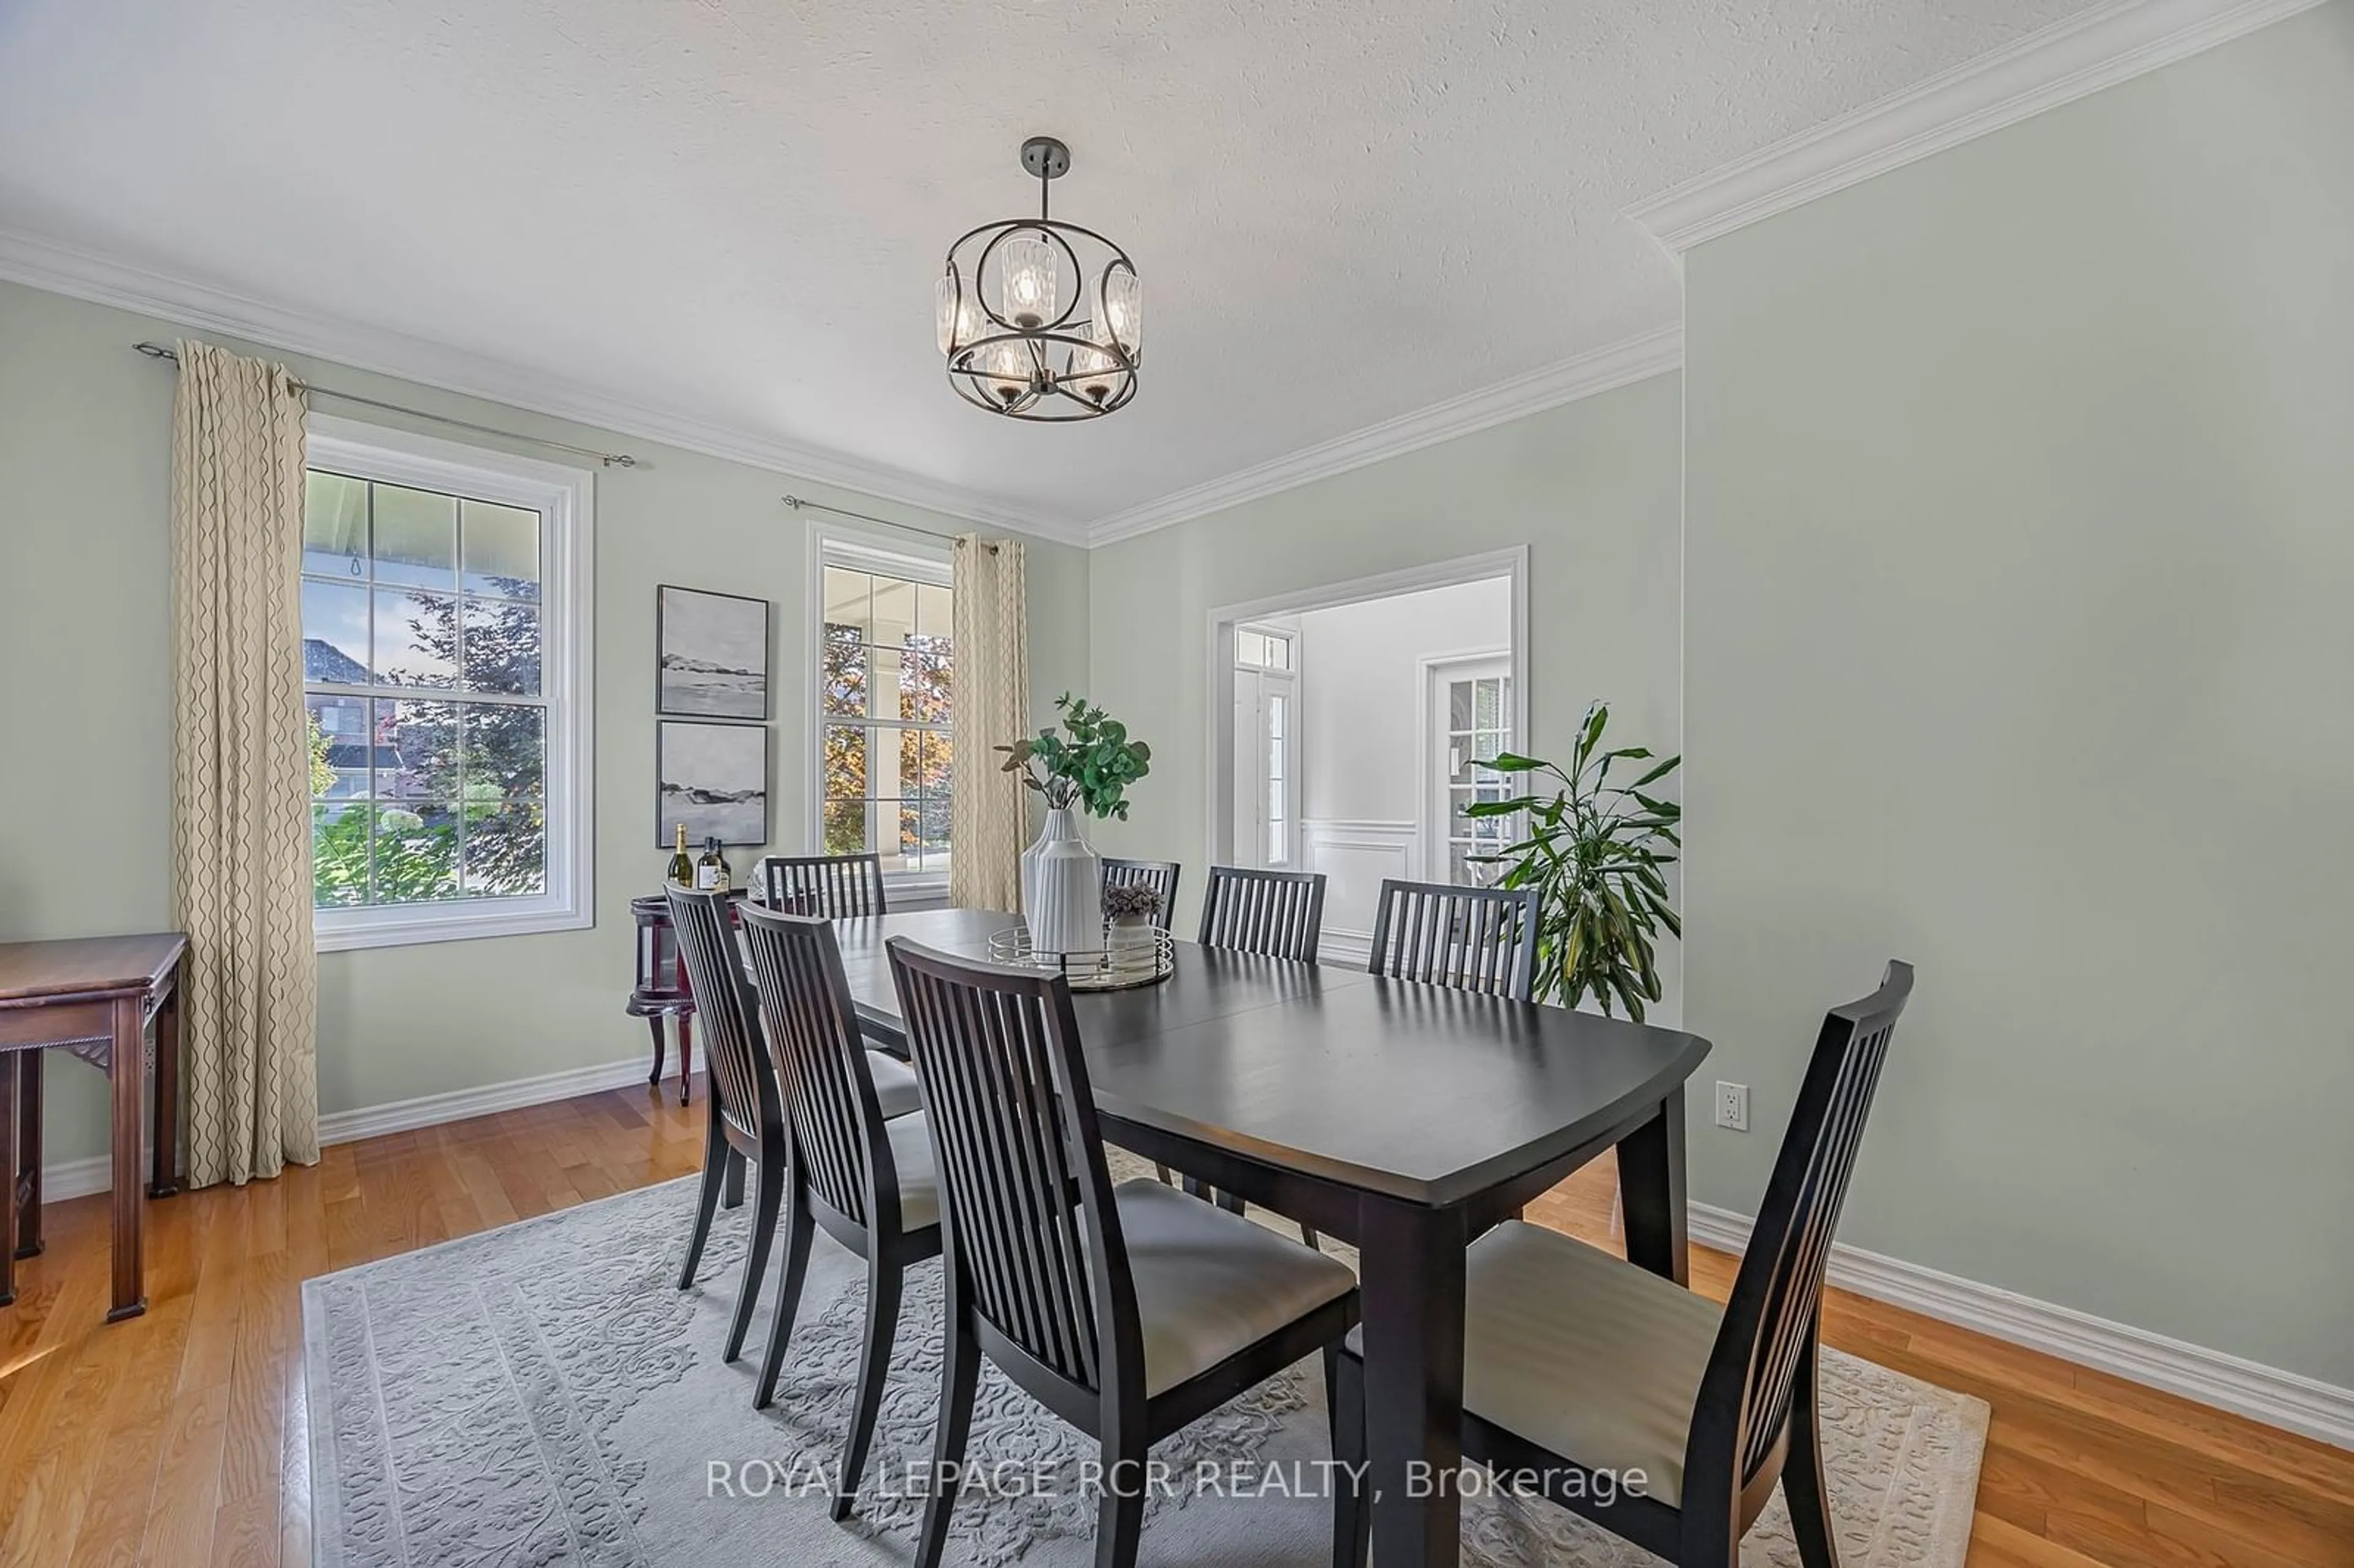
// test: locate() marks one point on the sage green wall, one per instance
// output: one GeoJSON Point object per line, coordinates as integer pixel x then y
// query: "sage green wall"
{"type": "Point", "coordinates": [85, 705]}
{"type": "Point", "coordinates": [1591, 487]}
{"type": "Point", "coordinates": [2019, 594]}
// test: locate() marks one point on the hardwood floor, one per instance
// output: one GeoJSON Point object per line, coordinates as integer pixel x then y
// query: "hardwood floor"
{"type": "Point", "coordinates": [179, 1439]}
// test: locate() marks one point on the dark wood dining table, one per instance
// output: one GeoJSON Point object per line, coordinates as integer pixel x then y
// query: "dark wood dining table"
{"type": "Point", "coordinates": [1404, 1118]}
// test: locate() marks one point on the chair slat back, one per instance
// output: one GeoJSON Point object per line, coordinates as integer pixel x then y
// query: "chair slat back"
{"type": "Point", "coordinates": [742, 1079]}
{"type": "Point", "coordinates": [831, 887]}
{"type": "Point", "coordinates": [1777, 1293]}
{"type": "Point", "coordinates": [1279, 914]}
{"type": "Point", "coordinates": [828, 1086]}
{"type": "Point", "coordinates": [1160, 875]}
{"type": "Point", "coordinates": [1015, 1137]}
{"type": "Point", "coordinates": [1473, 939]}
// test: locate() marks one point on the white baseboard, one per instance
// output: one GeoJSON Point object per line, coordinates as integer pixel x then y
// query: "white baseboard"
{"type": "Point", "coordinates": [2277, 1398]}
{"type": "Point", "coordinates": [2268, 1394]}
{"type": "Point", "coordinates": [432, 1110]}
{"type": "Point", "coordinates": [77, 1177]}
{"type": "Point", "coordinates": [81, 1178]}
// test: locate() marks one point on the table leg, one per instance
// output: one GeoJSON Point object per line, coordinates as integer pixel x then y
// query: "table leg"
{"type": "Point", "coordinates": [28, 1166]}
{"type": "Point", "coordinates": [127, 1069]}
{"type": "Point", "coordinates": [167, 1090]}
{"type": "Point", "coordinates": [1412, 1260]}
{"type": "Point", "coordinates": [1651, 1192]}
{"type": "Point", "coordinates": [8, 1164]}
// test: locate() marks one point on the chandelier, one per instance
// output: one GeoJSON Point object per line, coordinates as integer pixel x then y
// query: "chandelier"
{"type": "Point", "coordinates": [1040, 319]}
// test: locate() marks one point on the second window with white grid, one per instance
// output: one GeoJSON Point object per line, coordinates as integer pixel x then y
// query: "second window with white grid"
{"type": "Point", "coordinates": [886, 691]}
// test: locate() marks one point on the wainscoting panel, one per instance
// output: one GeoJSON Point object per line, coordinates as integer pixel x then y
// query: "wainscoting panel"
{"type": "Point", "coordinates": [1356, 856]}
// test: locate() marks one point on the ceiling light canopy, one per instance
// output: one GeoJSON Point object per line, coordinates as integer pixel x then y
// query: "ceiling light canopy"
{"type": "Point", "coordinates": [1040, 319]}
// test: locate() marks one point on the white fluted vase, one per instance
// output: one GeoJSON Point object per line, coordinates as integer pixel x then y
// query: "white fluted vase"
{"type": "Point", "coordinates": [1062, 888]}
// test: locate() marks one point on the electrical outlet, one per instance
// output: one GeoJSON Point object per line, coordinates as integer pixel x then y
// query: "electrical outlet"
{"type": "Point", "coordinates": [1732, 1106]}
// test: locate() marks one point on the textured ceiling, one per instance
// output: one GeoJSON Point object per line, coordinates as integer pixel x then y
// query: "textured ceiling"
{"type": "Point", "coordinates": [734, 211]}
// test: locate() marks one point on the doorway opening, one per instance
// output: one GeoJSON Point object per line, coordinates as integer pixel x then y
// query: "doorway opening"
{"type": "Point", "coordinates": [1346, 727]}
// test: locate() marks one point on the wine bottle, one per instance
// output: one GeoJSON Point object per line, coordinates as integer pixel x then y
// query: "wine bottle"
{"type": "Point", "coordinates": [682, 870]}
{"type": "Point", "coordinates": [711, 871]}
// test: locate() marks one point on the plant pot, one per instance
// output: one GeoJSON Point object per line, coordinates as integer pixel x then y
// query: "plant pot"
{"type": "Point", "coordinates": [1062, 889]}
{"type": "Point", "coordinates": [1130, 942]}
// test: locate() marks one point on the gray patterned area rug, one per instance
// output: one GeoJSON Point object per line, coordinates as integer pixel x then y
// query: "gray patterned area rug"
{"type": "Point", "coordinates": [543, 1394]}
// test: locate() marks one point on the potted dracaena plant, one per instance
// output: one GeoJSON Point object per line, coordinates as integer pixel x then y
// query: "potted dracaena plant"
{"type": "Point", "coordinates": [1596, 851]}
{"type": "Point", "coordinates": [1086, 770]}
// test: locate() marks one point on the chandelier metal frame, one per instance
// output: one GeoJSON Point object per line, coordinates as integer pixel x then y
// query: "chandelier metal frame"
{"type": "Point", "coordinates": [1066, 368]}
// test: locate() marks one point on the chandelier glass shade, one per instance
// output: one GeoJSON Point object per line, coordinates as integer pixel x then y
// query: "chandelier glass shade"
{"type": "Point", "coordinates": [1038, 318]}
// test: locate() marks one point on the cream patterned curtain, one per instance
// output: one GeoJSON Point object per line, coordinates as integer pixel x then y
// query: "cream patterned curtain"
{"type": "Point", "coordinates": [988, 817]}
{"type": "Point", "coordinates": [241, 769]}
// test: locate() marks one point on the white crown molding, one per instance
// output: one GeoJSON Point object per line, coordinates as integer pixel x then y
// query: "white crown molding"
{"type": "Point", "coordinates": [44, 264]}
{"type": "Point", "coordinates": [2098, 49]}
{"type": "Point", "coordinates": [2054, 65]}
{"type": "Point", "coordinates": [81, 1178]}
{"type": "Point", "coordinates": [1635, 359]}
{"type": "Point", "coordinates": [2277, 1398]}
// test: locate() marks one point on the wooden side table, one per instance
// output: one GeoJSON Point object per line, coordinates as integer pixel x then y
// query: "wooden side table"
{"type": "Point", "coordinates": [659, 987]}
{"type": "Point", "coordinates": [92, 997]}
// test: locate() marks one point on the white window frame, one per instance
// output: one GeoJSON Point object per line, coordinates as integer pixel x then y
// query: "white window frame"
{"type": "Point", "coordinates": [853, 549]}
{"type": "Point", "coordinates": [566, 499]}
{"type": "Point", "coordinates": [1277, 683]}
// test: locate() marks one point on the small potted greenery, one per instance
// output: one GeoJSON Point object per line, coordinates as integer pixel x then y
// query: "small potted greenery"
{"type": "Point", "coordinates": [1596, 853]}
{"type": "Point", "coordinates": [1087, 771]}
{"type": "Point", "coordinates": [1129, 914]}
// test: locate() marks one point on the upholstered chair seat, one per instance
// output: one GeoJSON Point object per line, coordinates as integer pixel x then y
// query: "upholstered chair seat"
{"type": "Point", "coordinates": [919, 1184]}
{"type": "Point", "coordinates": [1582, 1353]}
{"type": "Point", "coordinates": [1210, 1284]}
{"type": "Point", "coordinates": [895, 1085]}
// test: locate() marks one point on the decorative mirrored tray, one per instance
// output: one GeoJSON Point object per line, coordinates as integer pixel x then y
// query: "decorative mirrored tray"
{"type": "Point", "coordinates": [1137, 957]}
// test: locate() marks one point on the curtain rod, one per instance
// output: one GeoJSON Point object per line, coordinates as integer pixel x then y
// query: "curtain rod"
{"type": "Point", "coordinates": [797, 503]}
{"type": "Point", "coordinates": [610, 460]}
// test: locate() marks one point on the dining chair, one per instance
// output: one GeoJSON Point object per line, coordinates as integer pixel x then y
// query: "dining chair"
{"type": "Point", "coordinates": [834, 886]}
{"type": "Point", "coordinates": [1276, 914]}
{"type": "Point", "coordinates": [865, 1179]}
{"type": "Point", "coordinates": [1279, 914]}
{"type": "Point", "coordinates": [746, 1123]}
{"type": "Point", "coordinates": [1581, 1370]}
{"type": "Point", "coordinates": [1160, 875]}
{"type": "Point", "coordinates": [1130, 1312]}
{"type": "Point", "coordinates": [1472, 938]}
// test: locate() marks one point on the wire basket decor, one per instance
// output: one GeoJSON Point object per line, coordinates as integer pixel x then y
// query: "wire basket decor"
{"type": "Point", "coordinates": [1133, 958]}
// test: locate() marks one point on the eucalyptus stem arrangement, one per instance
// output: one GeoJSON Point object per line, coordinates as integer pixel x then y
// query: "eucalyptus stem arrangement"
{"type": "Point", "coordinates": [1091, 767]}
{"type": "Point", "coordinates": [1596, 852]}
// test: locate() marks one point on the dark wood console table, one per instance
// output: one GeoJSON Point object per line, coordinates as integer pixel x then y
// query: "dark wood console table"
{"type": "Point", "coordinates": [93, 997]}
{"type": "Point", "coordinates": [658, 988]}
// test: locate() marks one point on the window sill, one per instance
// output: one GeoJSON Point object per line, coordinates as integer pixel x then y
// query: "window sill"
{"type": "Point", "coordinates": [344, 931]}
{"type": "Point", "coordinates": [917, 892]}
